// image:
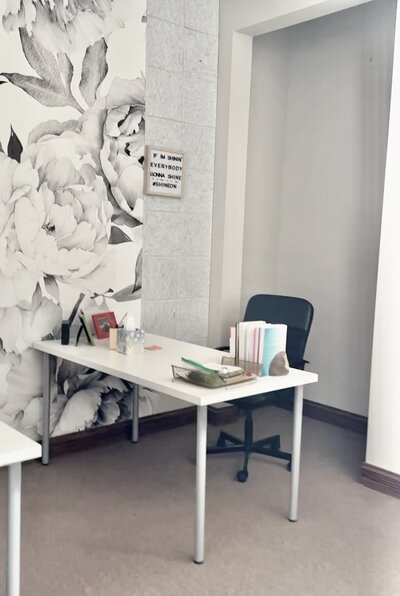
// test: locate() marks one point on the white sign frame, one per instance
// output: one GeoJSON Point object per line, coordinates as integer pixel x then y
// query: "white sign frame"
{"type": "Point", "coordinates": [160, 163]}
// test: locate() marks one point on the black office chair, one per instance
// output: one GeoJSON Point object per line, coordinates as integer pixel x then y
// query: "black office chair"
{"type": "Point", "coordinates": [297, 314]}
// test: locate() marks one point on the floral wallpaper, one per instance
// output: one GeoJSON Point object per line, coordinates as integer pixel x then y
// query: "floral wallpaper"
{"type": "Point", "coordinates": [72, 92]}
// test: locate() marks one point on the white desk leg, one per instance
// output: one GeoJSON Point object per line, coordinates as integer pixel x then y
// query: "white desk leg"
{"type": "Point", "coordinates": [135, 414]}
{"type": "Point", "coordinates": [296, 447]}
{"type": "Point", "coordinates": [201, 454]}
{"type": "Point", "coordinates": [46, 408]}
{"type": "Point", "coordinates": [13, 529]}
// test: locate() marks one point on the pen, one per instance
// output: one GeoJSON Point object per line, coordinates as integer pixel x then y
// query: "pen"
{"type": "Point", "coordinates": [197, 365]}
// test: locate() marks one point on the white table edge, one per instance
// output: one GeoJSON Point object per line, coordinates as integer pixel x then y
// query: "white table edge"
{"type": "Point", "coordinates": [180, 389]}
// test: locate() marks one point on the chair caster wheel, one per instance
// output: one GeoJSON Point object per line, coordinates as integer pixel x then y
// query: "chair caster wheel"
{"type": "Point", "coordinates": [221, 442]}
{"type": "Point", "coordinates": [289, 466]}
{"type": "Point", "coordinates": [242, 475]}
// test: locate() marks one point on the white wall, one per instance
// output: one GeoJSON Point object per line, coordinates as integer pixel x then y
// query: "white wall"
{"type": "Point", "coordinates": [383, 440]}
{"type": "Point", "coordinates": [266, 146]}
{"type": "Point", "coordinates": [315, 169]}
{"type": "Point", "coordinates": [249, 18]}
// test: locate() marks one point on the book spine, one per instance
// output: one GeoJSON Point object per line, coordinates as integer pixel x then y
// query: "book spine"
{"type": "Point", "coordinates": [232, 343]}
{"type": "Point", "coordinates": [261, 345]}
{"type": "Point", "coordinates": [237, 343]}
{"type": "Point", "coordinates": [258, 339]}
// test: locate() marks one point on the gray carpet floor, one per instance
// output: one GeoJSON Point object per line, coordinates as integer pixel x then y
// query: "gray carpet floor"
{"type": "Point", "coordinates": [118, 521]}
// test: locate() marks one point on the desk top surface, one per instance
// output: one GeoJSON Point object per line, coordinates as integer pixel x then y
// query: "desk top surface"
{"type": "Point", "coordinates": [152, 369]}
{"type": "Point", "coordinates": [16, 447]}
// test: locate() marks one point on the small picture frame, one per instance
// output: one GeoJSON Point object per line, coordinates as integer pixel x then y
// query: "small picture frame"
{"type": "Point", "coordinates": [102, 323]}
{"type": "Point", "coordinates": [164, 171]}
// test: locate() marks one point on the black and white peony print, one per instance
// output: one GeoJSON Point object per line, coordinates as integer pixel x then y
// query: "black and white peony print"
{"type": "Point", "coordinates": [72, 95]}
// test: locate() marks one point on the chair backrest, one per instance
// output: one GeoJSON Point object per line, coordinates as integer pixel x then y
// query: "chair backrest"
{"type": "Point", "coordinates": [296, 313]}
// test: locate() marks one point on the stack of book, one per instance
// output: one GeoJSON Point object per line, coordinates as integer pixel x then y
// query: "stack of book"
{"type": "Point", "coordinates": [258, 342]}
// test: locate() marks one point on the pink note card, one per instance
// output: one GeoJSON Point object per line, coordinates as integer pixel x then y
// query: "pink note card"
{"type": "Point", "coordinates": [153, 347]}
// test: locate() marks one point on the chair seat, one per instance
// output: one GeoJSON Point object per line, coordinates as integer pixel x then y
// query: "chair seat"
{"type": "Point", "coordinates": [254, 401]}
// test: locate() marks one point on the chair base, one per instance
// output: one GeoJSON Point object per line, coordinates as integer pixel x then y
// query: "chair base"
{"type": "Point", "coordinates": [267, 446]}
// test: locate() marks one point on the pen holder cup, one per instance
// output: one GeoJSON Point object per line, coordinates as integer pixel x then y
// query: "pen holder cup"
{"type": "Point", "coordinates": [112, 338]}
{"type": "Point", "coordinates": [130, 342]}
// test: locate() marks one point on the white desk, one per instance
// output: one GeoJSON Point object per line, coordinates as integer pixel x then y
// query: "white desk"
{"type": "Point", "coordinates": [14, 449]}
{"type": "Point", "coordinates": [153, 370]}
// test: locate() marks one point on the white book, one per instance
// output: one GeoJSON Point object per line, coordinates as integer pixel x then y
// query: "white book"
{"type": "Point", "coordinates": [232, 343]}
{"type": "Point", "coordinates": [261, 345]}
{"type": "Point", "coordinates": [250, 339]}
